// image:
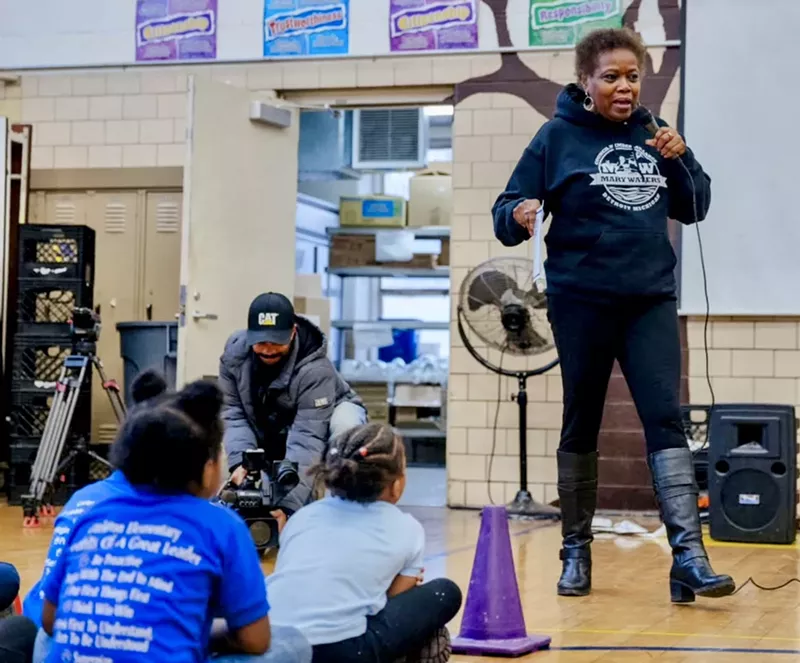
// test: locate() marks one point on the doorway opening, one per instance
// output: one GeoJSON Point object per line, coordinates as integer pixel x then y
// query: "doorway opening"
{"type": "Point", "coordinates": [376, 183]}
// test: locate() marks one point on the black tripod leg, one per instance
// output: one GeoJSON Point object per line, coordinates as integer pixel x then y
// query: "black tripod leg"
{"type": "Point", "coordinates": [99, 459]}
{"type": "Point", "coordinates": [112, 390]}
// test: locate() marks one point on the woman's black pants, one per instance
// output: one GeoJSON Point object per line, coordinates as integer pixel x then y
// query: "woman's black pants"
{"type": "Point", "coordinates": [643, 335]}
{"type": "Point", "coordinates": [403, 627]}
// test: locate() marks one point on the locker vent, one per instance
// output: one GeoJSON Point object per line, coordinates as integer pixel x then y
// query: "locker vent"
{"type": "Point", "coordinates": [167, 218]}
{"type": "Point", "coordinates": [107, 432]}
{"type": "Point", "coordinates": [65, 212]}
{"type": "Point", "coordinates": [389, 138]}
{"type": "Point", "coordinates": [115, 220]}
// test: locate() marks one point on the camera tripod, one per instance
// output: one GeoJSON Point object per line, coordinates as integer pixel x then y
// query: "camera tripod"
{"type": "Point", "coordinates": [48, 465]}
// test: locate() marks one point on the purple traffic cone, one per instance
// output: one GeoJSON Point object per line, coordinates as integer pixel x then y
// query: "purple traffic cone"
{"type": "Point", "coordinates": [493, 623]}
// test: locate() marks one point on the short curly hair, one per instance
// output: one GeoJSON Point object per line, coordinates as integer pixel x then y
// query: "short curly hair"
{"type": "Point", "coordinates": [597, 42]}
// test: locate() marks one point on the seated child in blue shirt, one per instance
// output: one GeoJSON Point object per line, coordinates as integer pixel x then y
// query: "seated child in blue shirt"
{"type": "Point", "coordinates": [143, 574]}
{"type": "Point", "coordinates": [146, 387]}
{"type": "Point", "coordinates": [349, 567]}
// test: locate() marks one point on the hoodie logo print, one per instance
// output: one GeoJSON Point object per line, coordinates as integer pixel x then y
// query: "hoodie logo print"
{"type": "Point", "coordinates": [630, 177]}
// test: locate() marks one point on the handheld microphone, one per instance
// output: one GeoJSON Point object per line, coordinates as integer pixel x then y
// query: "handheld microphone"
{"type": "Point", "coordinates": [649, 123]}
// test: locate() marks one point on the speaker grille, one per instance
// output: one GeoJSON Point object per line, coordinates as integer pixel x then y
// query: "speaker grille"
{"type": "Point", "coordinates": [750, 499]}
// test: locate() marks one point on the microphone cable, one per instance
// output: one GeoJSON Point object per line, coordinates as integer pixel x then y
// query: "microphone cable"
{"type": "Point", "coordinates": [706, 320]}
{"type": "Point", "coordinates": [652, 127]}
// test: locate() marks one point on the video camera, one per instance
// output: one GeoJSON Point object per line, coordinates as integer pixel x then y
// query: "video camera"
{"type": "Point", "coordinates": [266, 483]}
{"type": "Point", "coordinates": [85, 330]}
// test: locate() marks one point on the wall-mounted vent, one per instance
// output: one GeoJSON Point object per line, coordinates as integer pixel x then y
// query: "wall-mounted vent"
{"type": "Point", "coordinates": [389, 138]}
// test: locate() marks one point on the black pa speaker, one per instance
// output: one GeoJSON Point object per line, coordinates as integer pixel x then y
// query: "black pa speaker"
{"type": "Point", "coordinates": [752, 473]}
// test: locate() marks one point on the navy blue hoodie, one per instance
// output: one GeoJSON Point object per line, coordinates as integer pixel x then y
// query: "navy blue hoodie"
{"type": "Point", "coordinates": [609, 195]}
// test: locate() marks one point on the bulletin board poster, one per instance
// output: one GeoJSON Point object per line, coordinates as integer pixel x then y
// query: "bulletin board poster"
{"type": "Point", "coordinates": [433, 25]}
{"type": "Point", "coordinates": [296, 28]}
{"type": "Point", "coordinates": [176, 30]}
{"type": "Point", "coordinates": [565, 22]}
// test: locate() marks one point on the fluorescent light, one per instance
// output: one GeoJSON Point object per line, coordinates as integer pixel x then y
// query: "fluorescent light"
{"type": "Point", "coordinates": [438, 111]}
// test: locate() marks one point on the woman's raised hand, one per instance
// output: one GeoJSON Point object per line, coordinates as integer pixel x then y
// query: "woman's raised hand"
{"type": "Point", "coordinates": [525, 213]}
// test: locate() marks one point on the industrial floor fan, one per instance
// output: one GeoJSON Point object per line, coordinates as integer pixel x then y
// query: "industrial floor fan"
{"type": "Point", "coordinates": [503, 303]}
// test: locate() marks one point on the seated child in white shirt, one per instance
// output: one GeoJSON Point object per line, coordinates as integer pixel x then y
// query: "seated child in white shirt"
{"type": "Point", "coordinates": [350, 565]}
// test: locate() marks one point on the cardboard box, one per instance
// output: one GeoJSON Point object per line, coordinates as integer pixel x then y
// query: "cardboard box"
{"type": "Point", "coordinates": [359, 251]}
{"type": "Point", "coordinates": [430, 200]}
{"type": "Point", "coordinates": [308, 285]}
{"type": "Point", "coordinates": [315, 309]}
{"type": "Point", "coordinates": [373, 211]}
{"type": "Point", "coordinates": [444, 256]}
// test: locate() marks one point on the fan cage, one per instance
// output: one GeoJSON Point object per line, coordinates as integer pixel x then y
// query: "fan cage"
{"type": "Point", "coordinates": [509, 280]}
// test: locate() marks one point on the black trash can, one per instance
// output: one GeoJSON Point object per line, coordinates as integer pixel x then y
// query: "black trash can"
{"type": "Point", "coordinates": [145, 345]}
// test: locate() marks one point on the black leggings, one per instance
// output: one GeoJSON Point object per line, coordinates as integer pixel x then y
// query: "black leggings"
{"type": "Point", "coordinates": [403, 627]}
{"type": "Point", "coordinates": [644, 337]}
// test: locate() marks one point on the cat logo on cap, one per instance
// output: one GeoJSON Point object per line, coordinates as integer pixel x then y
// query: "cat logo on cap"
{"type": "Point", "coordinates": [267, 319]}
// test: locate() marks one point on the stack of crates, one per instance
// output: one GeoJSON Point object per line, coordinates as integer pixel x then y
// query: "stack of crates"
{"type": "Point", "coordinates": [55, 274]}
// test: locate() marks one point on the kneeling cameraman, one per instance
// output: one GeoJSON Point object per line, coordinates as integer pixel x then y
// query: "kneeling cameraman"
{"type": "Point", "coordinates": [282, 394]}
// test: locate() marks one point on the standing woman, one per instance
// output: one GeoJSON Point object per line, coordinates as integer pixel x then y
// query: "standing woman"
{"type": "Point", "coordinates": [610, 187]}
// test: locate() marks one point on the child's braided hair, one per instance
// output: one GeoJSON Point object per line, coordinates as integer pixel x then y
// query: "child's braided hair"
{"type": "Point", "coordinates": [359, 464]}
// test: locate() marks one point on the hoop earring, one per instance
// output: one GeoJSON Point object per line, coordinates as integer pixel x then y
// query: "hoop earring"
{"type": "Point", "coordinates": [588, 104]}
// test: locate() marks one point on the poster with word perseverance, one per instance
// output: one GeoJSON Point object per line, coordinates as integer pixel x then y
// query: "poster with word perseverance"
{"type": "Point", "coordinates": [176, 30]}
{"type": "Point", "coordinates": [565, 22]}
{"type": "Point", "coordinates": [294, 28]}
{"type": "Point", "coordinates": [433, 25]}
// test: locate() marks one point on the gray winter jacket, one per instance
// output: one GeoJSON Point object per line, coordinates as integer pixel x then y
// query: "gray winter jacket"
{"type": "Point", "coordinates": [309, 387]}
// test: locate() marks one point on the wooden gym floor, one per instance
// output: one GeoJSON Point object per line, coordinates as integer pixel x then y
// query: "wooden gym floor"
{"type": "Point", "coordinates": [627, 618]}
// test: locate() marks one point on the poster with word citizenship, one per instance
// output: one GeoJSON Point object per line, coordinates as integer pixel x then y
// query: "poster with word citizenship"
{"type": "Point", "coordinates": [176, 30]}
{"type": "Point", "coordinates": [565, 22]}
{"type": "Point", "coordinates": [433, 25]}
{"type": "Point", "coordinates": [295, 28]}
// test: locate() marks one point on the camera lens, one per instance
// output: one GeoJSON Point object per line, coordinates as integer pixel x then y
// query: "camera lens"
{"type": "Point", "coordinates": [286, 475]}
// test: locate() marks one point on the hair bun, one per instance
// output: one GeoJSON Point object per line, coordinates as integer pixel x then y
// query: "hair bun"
{"type": "Point", "coordinates": [201, 400]}
{"type": "Point", "coordinates": [147, 385]}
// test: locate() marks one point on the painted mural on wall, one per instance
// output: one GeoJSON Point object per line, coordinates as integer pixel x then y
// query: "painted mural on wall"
{"type": "Point", "coordinates": [433, 25]}
{"type": "Point", "coordinates": [516, 78]}
{"type": "Point", "coordinates": [171, 30]}
{"type": "Point", "coordinates": [294, 28]}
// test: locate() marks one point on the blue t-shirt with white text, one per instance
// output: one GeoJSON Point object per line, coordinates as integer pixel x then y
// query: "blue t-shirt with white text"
{"type": "Point", "coordinates": [144, 574]}
{"type": "Point", "coordinates": [80, 502]}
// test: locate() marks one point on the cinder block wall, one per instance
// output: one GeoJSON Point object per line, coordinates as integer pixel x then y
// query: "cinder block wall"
{"type": "Point", "coordinates": [750, 360]}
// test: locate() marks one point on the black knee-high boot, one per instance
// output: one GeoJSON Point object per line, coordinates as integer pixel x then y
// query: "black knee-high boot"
{"type": "Point", "coordinates": [577, 492]}
{"type": "Point", "coordinates": [676, 491]}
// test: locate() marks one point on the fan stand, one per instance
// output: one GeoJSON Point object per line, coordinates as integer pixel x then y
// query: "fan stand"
{"type": "Point", "coordinates": [523, 505]}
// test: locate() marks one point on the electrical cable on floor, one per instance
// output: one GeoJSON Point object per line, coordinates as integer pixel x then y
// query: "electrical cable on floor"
{"type": "Point", "coordinates": [500, 377]}
{"type": "Point", "coordinates": [750, 581]}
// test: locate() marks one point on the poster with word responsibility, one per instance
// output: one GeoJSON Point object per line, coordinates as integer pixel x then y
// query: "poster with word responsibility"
{"type": "Point", "coordinates": [565, 22]}
{"type": "Point", "coordinates": [176, 30]}
{"type": "Point", "coordinates": [433, 25]}
{"type": "Point", "coordinates": [296, 28]}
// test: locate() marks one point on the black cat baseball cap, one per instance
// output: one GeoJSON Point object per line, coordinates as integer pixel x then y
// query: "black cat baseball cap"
{"type": "Point", "coordinates": [270, 319]}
